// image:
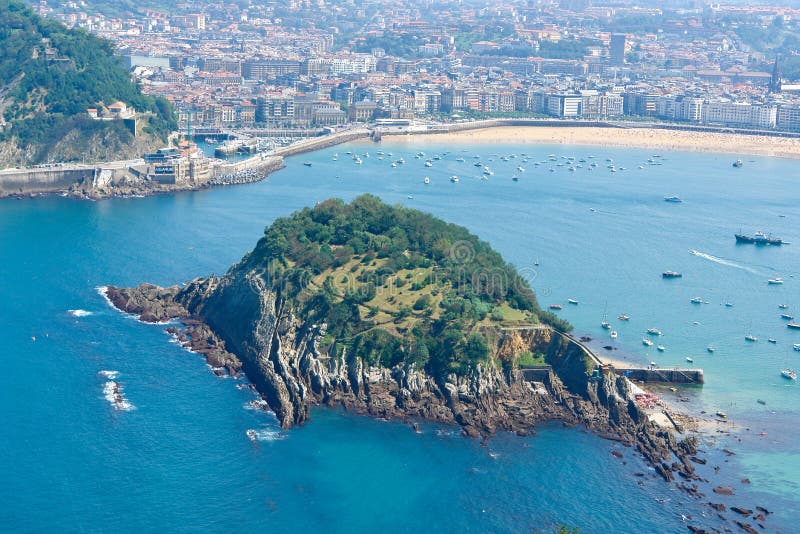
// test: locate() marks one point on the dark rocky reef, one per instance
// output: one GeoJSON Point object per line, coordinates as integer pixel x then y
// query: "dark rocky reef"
{"type": "Point", "coordinates": [240, 324]}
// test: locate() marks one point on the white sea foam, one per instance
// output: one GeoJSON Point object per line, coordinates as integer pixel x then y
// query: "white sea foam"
{"type": "Point", "coordinates": [256, 404]}
{"type": "Point", "coordinates": [79, 313]}
{"type": "Point", "coordinates": [112, 391]}
{"type": "Point", "coordinates": [723, 261]}
{"type": "Point", "coordinates": [446, 433]}
{"type": "Point", "coordinates": [265, 434]}
{"type": "Point", "coordinates": [103, 291]}
{"type": "Point", "coordinates": [110, 375]}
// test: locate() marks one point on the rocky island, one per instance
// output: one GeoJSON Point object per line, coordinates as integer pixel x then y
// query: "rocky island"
{"type": "Point", "coordinates": [393, 313]}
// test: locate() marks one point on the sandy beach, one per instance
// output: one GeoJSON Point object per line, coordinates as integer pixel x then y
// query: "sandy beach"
{"type": "Point", "coordinates": [648, 138]}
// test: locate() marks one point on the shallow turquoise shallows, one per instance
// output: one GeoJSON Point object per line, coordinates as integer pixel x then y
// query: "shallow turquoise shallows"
{"type": "Point", "coordinates": [181, 459]}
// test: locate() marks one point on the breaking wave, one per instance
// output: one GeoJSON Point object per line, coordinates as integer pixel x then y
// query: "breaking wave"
{"type": "Point", "coordinates": [112, 391]}
{"type": "Point", "coordinates": [264, 434]}
{"type": "Point", "coordinates": [110, 375]}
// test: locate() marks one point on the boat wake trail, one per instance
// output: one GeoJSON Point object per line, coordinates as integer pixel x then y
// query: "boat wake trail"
{"type": "Point", "coordinates": [725, 262]}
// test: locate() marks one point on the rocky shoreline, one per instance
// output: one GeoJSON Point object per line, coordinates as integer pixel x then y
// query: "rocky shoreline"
{"type": "Point", "coordinates": [282, 357]}
{"type": "Point", "coordinates": [241, 328]}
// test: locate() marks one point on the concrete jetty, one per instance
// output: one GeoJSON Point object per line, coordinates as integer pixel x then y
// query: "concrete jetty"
{"type": "Point", "coordinates": [663, 375]}
{"type": "Point", "coordinates": [650, 374]}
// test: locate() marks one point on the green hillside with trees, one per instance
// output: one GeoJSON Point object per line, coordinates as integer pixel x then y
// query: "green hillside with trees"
{"type": "Point", "coordinates": [394, 284]}
{"type": "Point", "coordinates": [50, 75]}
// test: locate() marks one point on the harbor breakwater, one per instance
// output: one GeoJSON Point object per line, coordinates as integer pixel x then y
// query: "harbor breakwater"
{"type": "Point", "coordinates": [318, 143]}
{"type": "Point", "coordinates": [249, 170]}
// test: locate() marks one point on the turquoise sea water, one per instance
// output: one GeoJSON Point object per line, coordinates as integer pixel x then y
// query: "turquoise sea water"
{"type": "Point", "coordinates": [181, 459]}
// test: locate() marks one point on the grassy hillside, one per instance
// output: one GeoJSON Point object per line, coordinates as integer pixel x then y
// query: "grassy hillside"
{"type": "Point", "coordinates": [394, 284]}
{"type": "Point", "coordinates": [50, 75]}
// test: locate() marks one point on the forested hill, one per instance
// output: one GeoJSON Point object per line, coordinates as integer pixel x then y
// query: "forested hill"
{"type": "Point", "coordinates": [49, 76]}
{"type": "Point", "coordinates": [394, 284]}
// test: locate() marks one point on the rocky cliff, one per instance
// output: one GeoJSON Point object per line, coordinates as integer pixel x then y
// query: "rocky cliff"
{"type": "Point", "coordinates": [240, 324]}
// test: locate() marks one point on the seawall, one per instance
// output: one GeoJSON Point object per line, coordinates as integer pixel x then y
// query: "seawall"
{"type": "Point", "coordinates": [42, 180]}
{"type": "Point", "coordinates": [433, 129]}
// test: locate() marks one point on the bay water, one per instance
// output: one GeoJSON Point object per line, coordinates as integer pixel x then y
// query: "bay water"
{"type": "Point", "coordinates": [180, 458]}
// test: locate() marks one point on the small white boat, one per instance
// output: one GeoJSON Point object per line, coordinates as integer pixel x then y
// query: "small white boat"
{"type": "Point", "coordinates": [788, 373]}
{"type": "Point", "coordinates": [606, 325]}
{"type": "Point", "coordinates": [775, 281]}
{"type": "Point", "coordinates": [729, 305]}
{"type": "Point", "coordinates": [750, 337]}
{"type": "Point", "coordinates": [661, 348]}
{"type": "Point", "coordinates": [773, 341]}
{"type": "Point", "coordinates": [796, 347]}
{"type": "Point", "coordinates": [572, 301]}
{"type": "Point", "coordinates": [427, 180]}
{"type": "Point", "coordinates": [428, 164]}
{"type": "Point", "coordinates": [454, 179]}
{"type": "Point", "coordinates": [711, 348]}
{"type": "Point", "coordinates": [654, 331]}
{"type": "Point", "coordinates": [624, 317]}
{"type": "Point", "coordinates": [613, 334]}
{"type": "Point", "coordinates": [782, 306]}
{"type": "Point", "coordinates": [696, 300]}
{"type": "Point", "coordinates": [647, 342]}
{"type": "Point", "coordinates": [690, 360]}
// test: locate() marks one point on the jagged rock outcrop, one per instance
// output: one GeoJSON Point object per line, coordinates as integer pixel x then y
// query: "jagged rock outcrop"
{"type": "Point", "coordinates": [241, 324]}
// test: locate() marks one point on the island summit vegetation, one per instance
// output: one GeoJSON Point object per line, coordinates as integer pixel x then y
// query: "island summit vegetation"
{"type": "Point", "coordinates": [50, 75]}
{"type": "Point", "coordinates": [395, 285]}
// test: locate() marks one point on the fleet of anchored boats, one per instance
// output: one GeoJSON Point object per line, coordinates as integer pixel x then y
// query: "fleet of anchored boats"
{"type": "Point", "coordinates": [573, 164]}
{"type": "Point", "coordinates": [570, 163]}
{"type": "Point", "coordinates": [787, 373]}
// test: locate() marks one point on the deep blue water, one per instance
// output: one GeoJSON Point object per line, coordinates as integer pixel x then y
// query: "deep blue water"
{"type": "Point", "coordinates": [181, 460]}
